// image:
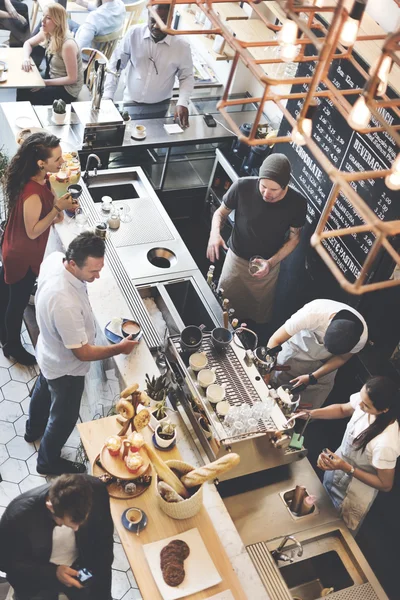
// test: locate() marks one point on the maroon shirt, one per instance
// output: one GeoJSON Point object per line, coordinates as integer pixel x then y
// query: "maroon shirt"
{"type": "Point", "coordinates": [20, 252]}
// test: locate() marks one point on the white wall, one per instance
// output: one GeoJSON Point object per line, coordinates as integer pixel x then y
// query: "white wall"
{"type": "Point", "coordinates": [385, 12]}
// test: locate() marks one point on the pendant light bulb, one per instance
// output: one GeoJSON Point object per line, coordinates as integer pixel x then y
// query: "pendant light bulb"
{"type": "Point", "coordinates": [382, 73]}
{"type": "Point", "coordinates": [288, 52]}
{"type": "Point", "coordinates": [359, 115]}
{"type": "Point", "coordinates": [304, 126]}
{"type": "Point", "coordinates": [348, 34]}
{"type": "Point", "coordinates": [393, 180]}
{"type": "Point", "coordinates": [288, 33]}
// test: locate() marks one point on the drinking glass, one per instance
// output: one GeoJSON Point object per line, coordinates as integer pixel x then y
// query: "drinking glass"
{"type": "Point", "coordinates": [254, 264]}
{"type": "Point", "coordinates": [245, 412]}
{"type": "Point", "coordinates": [258, 410]}
{"type": "Point", "coordinates": [238, 428]}
{"type": "Point", "coordinates": [251, 426]}
{"type": "Point", "coordinates": [80, 218]}
{"type": "Point", "coordinates": [124, 214]}
{"type": "Point", "coordinates": [268, 404]}
{"type": "Point", "coordinates": [229, 419]}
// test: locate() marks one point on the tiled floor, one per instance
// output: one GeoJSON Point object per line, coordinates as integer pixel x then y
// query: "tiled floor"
{"type": "Point", "coordinates": [18, 458]}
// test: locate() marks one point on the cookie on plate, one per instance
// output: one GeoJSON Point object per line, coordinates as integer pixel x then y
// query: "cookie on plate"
{"type": "Point", "coordinates": [173, 574]}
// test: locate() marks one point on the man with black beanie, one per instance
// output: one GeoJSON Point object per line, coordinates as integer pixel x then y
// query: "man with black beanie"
{"type": "Point", "coordinates": [317, 340]}
{"type": "Point", "coordinates": [269, 216]}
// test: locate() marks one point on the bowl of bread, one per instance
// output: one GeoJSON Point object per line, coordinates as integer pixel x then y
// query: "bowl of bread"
{"type": "Point", "coordinates": [179, 485]}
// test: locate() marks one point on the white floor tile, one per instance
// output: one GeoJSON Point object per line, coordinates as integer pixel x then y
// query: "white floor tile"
{"type": "Point", "coordinates": [6, 362]}
{"type": "Point", "coordinates": [15, 391]}
{"type": "Point", "coordinates": [31, 384]}
{"type": "Point", "coordinates": [116, 537]}
{"type": "Point", "coordinates": [120, 561]}
{"type": "Point", "coordinates": [2, 510]}
{"type": "Point", "coordinates": [19, 425]}
{"type": "Point", "coordinates": [31, 464]}
{"type": "Point", "coordinates": [132, 579]}
{"type": "Point", "coordinates": [7, 432]}
{"type": "Point", "coordinates": [4, 376]}
{"type": "Point", "coordinates": [21, 373]}
{"type": "Point", "coordinates": [25, 405]}
{"type": "Point", "coordinates": [10, 411]}
{"type": "Point", "coordinates": [19, 448]}
{"type": "Point", "coordinates": [74, 439]}
{"type": "Point", "coordinates": [8, 491]}
{"type": "Point", "coordinates": [120, 583]}
{"type": "Point", "coordinates": [30, 482]}
{"type": "Point", "coordinates": [14, 470]}
{"type": "Point", "coordinates": [68, 453]}
{"type": "Point", "coordinates": [3, 453]}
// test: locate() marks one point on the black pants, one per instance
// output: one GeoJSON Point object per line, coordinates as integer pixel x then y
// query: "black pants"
{"type": "Point", "coordinates": [13, 301]}
{"type": "Point", "coordinates": [19, 32]}
{"type": "Point", "coordinates": [45, 95]}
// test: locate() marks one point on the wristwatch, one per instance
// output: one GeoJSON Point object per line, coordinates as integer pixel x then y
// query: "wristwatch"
{"type": "Point", "coordinates": [312, 380]}
{"type": "Point", "coordinates": [352, 469]}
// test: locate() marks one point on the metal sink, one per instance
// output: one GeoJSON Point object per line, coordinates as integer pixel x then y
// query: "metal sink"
{"type": "Point", "coordinates": [124, 191]}
{"type": "Point", "coordinates": [308, 578]}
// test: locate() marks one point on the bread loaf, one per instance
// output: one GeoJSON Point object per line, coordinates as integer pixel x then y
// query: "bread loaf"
{"type": "Point", "coordinates": [129, 390]}
{"type": "Point", "coordinates": [165, 473]}
{"type": "Point", "coordinates": [211, 471]}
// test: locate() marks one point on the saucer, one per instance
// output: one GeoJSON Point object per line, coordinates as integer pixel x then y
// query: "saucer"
{"type": "Point", "coordinates": [3, 79]}
{"type": "Point", "coordinates": [159, 447]}
{"type": "Point", "coordinates": [138, 137]}
{"type": "Point", "coordinates": [133, 527]}
{"type": "Point", "coordinates": [114, 338]}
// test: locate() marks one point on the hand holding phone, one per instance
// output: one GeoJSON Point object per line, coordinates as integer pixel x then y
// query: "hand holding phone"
{"type": "Point", "coordinates": [84, 576]}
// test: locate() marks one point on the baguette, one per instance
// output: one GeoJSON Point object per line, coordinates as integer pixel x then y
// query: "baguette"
{"type": "Point", "coordinates": [129, 390]}
{"type": "Point", "coordinates": [165, 473]}
{"type": "Point", "coordinates": [211, 471]}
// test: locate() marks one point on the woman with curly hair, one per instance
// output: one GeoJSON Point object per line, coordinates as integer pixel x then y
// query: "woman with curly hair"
{"type": "Point", "coordinates": [64, 72]}
{"type": "Point", "coordinates": [31, 208]}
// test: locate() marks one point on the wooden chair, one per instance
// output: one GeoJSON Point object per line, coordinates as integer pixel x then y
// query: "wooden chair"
{"type": "Point", "coordinates": [133, 12]}
{"type": "Point", "coordinates": [91, 55]}
{"type": "Point", "coordinates": [107, 43]}
{"type": "Point", "coordinates": [34, 13]}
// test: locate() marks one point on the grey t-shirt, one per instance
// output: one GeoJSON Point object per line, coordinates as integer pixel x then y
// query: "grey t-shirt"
{"type": "Point", "coordinates": [260, 227]}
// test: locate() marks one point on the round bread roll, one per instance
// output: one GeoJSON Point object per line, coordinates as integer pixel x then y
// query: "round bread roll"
{"type": "Point", "coordinates": [125, 409]}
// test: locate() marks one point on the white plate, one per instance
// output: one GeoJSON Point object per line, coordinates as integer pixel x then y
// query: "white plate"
{"type": "Point", "coordinates": [200, 570]}
{"type": "Point", "coordinates": [3, 78]}
{"type": "Point", "coordinates": [25, 122]}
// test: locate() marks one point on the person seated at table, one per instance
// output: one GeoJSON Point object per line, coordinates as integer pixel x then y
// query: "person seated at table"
{"type": "Point", "coordinates": [50, 532]}
{"type": "Point", "coordinates": [104, 18]}
{"type": "Point", "coordinates": [64, 72]}
{"type": "Point", "coordinates": [152, 60]}
{"type": "Point", "coordinates": [14, 17]}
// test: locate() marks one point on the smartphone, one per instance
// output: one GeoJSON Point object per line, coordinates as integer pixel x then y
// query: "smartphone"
{"type": "Point", "coordinates": [84, 576]}
{"type": "Point", "coordinates": [209, 119]}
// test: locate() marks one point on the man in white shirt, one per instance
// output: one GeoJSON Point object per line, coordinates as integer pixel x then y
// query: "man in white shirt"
{"type": "Point", "coordinates": [317, 340]}
{"type": "Point", "coordinates": [106, 18]}
{"type": "Point", "coordinates": [50, 532]}
{"type": "Point", "coordinates": [65, 347]}
{"type": "Point", "coordinates": [152, 60]}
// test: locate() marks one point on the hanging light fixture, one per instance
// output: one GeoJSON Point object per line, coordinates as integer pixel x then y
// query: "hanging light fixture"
{"type": "Point", "coordinates": [393, 180]}
{"type": "Point", "coordinates": [348, 34]}
{"type": "Point", "coordinates": [382, 73]}
{"type": "Point", "coordinates": [359, 115]}
{"type": "Point", "coordinates": [304, 126]}
{"type": "Point", "coordinates": [287, 38]}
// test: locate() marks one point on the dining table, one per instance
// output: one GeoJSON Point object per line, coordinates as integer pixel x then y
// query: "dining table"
{"type": "Point", "coordinates": [14, 77]}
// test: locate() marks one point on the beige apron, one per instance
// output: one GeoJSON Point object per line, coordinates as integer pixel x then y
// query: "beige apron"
{"type": "Point", "coordinates": [250, 297]}
{"type": "Point", "coordinates": [304, 353]}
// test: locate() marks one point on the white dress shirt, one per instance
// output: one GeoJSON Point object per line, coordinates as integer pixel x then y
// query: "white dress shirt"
{"type": "Point", "coordinates": [65, 319]}
{"type": "Point", "coordinates": [317, 315]}
{"type": "Point", "coordinates": [107, 18]}
{"type": "Point", "coordinates": [64, 550]}
{"type": "Point", "coordinates": [151, 68]}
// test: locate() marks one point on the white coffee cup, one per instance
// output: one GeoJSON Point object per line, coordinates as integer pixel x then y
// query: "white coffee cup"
{"type": "Point", "coordinates": [139, 131]}
{"type": "Point", "coordinates": [198, 361]}
{"type": "Point", "coordinates": [206, 377]}
{"type": "Point", "coordinates": [216, 393]}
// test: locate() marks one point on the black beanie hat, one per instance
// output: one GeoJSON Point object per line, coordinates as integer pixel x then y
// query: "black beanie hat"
{"type": "Point", "coordinates": [343, 333]}
{"type": "Point", "coordinates": [277, 168]}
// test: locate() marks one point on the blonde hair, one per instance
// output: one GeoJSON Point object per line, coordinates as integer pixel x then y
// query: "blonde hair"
{"type": "Point", "coordinates": [55, 41]}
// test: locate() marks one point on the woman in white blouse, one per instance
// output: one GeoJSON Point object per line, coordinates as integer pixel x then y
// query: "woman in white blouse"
{"type": "Point", "coordinates": [366, 459]}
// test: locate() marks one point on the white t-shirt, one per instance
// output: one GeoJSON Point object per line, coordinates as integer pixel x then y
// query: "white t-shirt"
{"type": "Point", "coordinates": [316, 317]}
{"type": "Point", "coordinates": [384, 449]}
{"type": "Point", "coordinates": [64, 550]}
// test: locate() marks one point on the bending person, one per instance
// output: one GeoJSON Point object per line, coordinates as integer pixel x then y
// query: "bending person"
{"type": "Point", "coordinates": [317, 340]}
{"type": "Point", "coordinates": [365, 462]}
{"type": "Point", "coordinates": [64, 71]}
{"type": "Point", "coordinates": [32, 209]}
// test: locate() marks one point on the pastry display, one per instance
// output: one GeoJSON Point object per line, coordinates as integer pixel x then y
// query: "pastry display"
{"type": "Point", "coordinates": [172, 559]}
{"type": "Point", "coordinates": [142, 419]}
{"type": "Point", "coordinates": [136, 441]}
{"type": "Point", "coordinates": [133, 462]}
{"type": "Point", "coordinates": [125, 409]}
{"type": "Point", "coordinates": [113, 445]}
{"type": "Point", "coordinates": [69, 173]}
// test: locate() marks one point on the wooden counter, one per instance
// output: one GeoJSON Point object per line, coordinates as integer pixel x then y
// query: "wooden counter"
{"type": "Point", "coordinates": [93, 434]}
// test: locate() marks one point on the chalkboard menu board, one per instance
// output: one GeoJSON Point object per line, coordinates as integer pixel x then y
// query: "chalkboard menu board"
{"type": "Point", "coordinates": [349, 151]}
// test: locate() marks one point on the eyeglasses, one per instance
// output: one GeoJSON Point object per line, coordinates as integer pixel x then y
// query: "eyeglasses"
{"type": "Point", "coordinates": [154, 64]}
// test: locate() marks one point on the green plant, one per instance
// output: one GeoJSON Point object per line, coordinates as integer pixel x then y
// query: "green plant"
{"type": "Point", "coordinates": [160, 411]}
{"type": "Point", "coordinates": [168, 429]}
{"type": "Point", "coordinates": [125, 115]}
{"type": "Point", "coordinates": [157, 387]}
{"type": "Point", "coordinates": [59, 107]}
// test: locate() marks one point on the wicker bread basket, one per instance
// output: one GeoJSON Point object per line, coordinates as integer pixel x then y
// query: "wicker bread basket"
{"type": "Point", "coordinates": [187, 508]}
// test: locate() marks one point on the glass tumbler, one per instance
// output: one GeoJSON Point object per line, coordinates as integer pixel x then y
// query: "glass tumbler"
{"type": "Point", "coordinates": [80, 218]}
{"type": "Point", "coordinates": [124, 214]}
{"type": "Point", "coordinates": [251, 426]}
{"type": "Point", "coordinates": [255, 264]}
